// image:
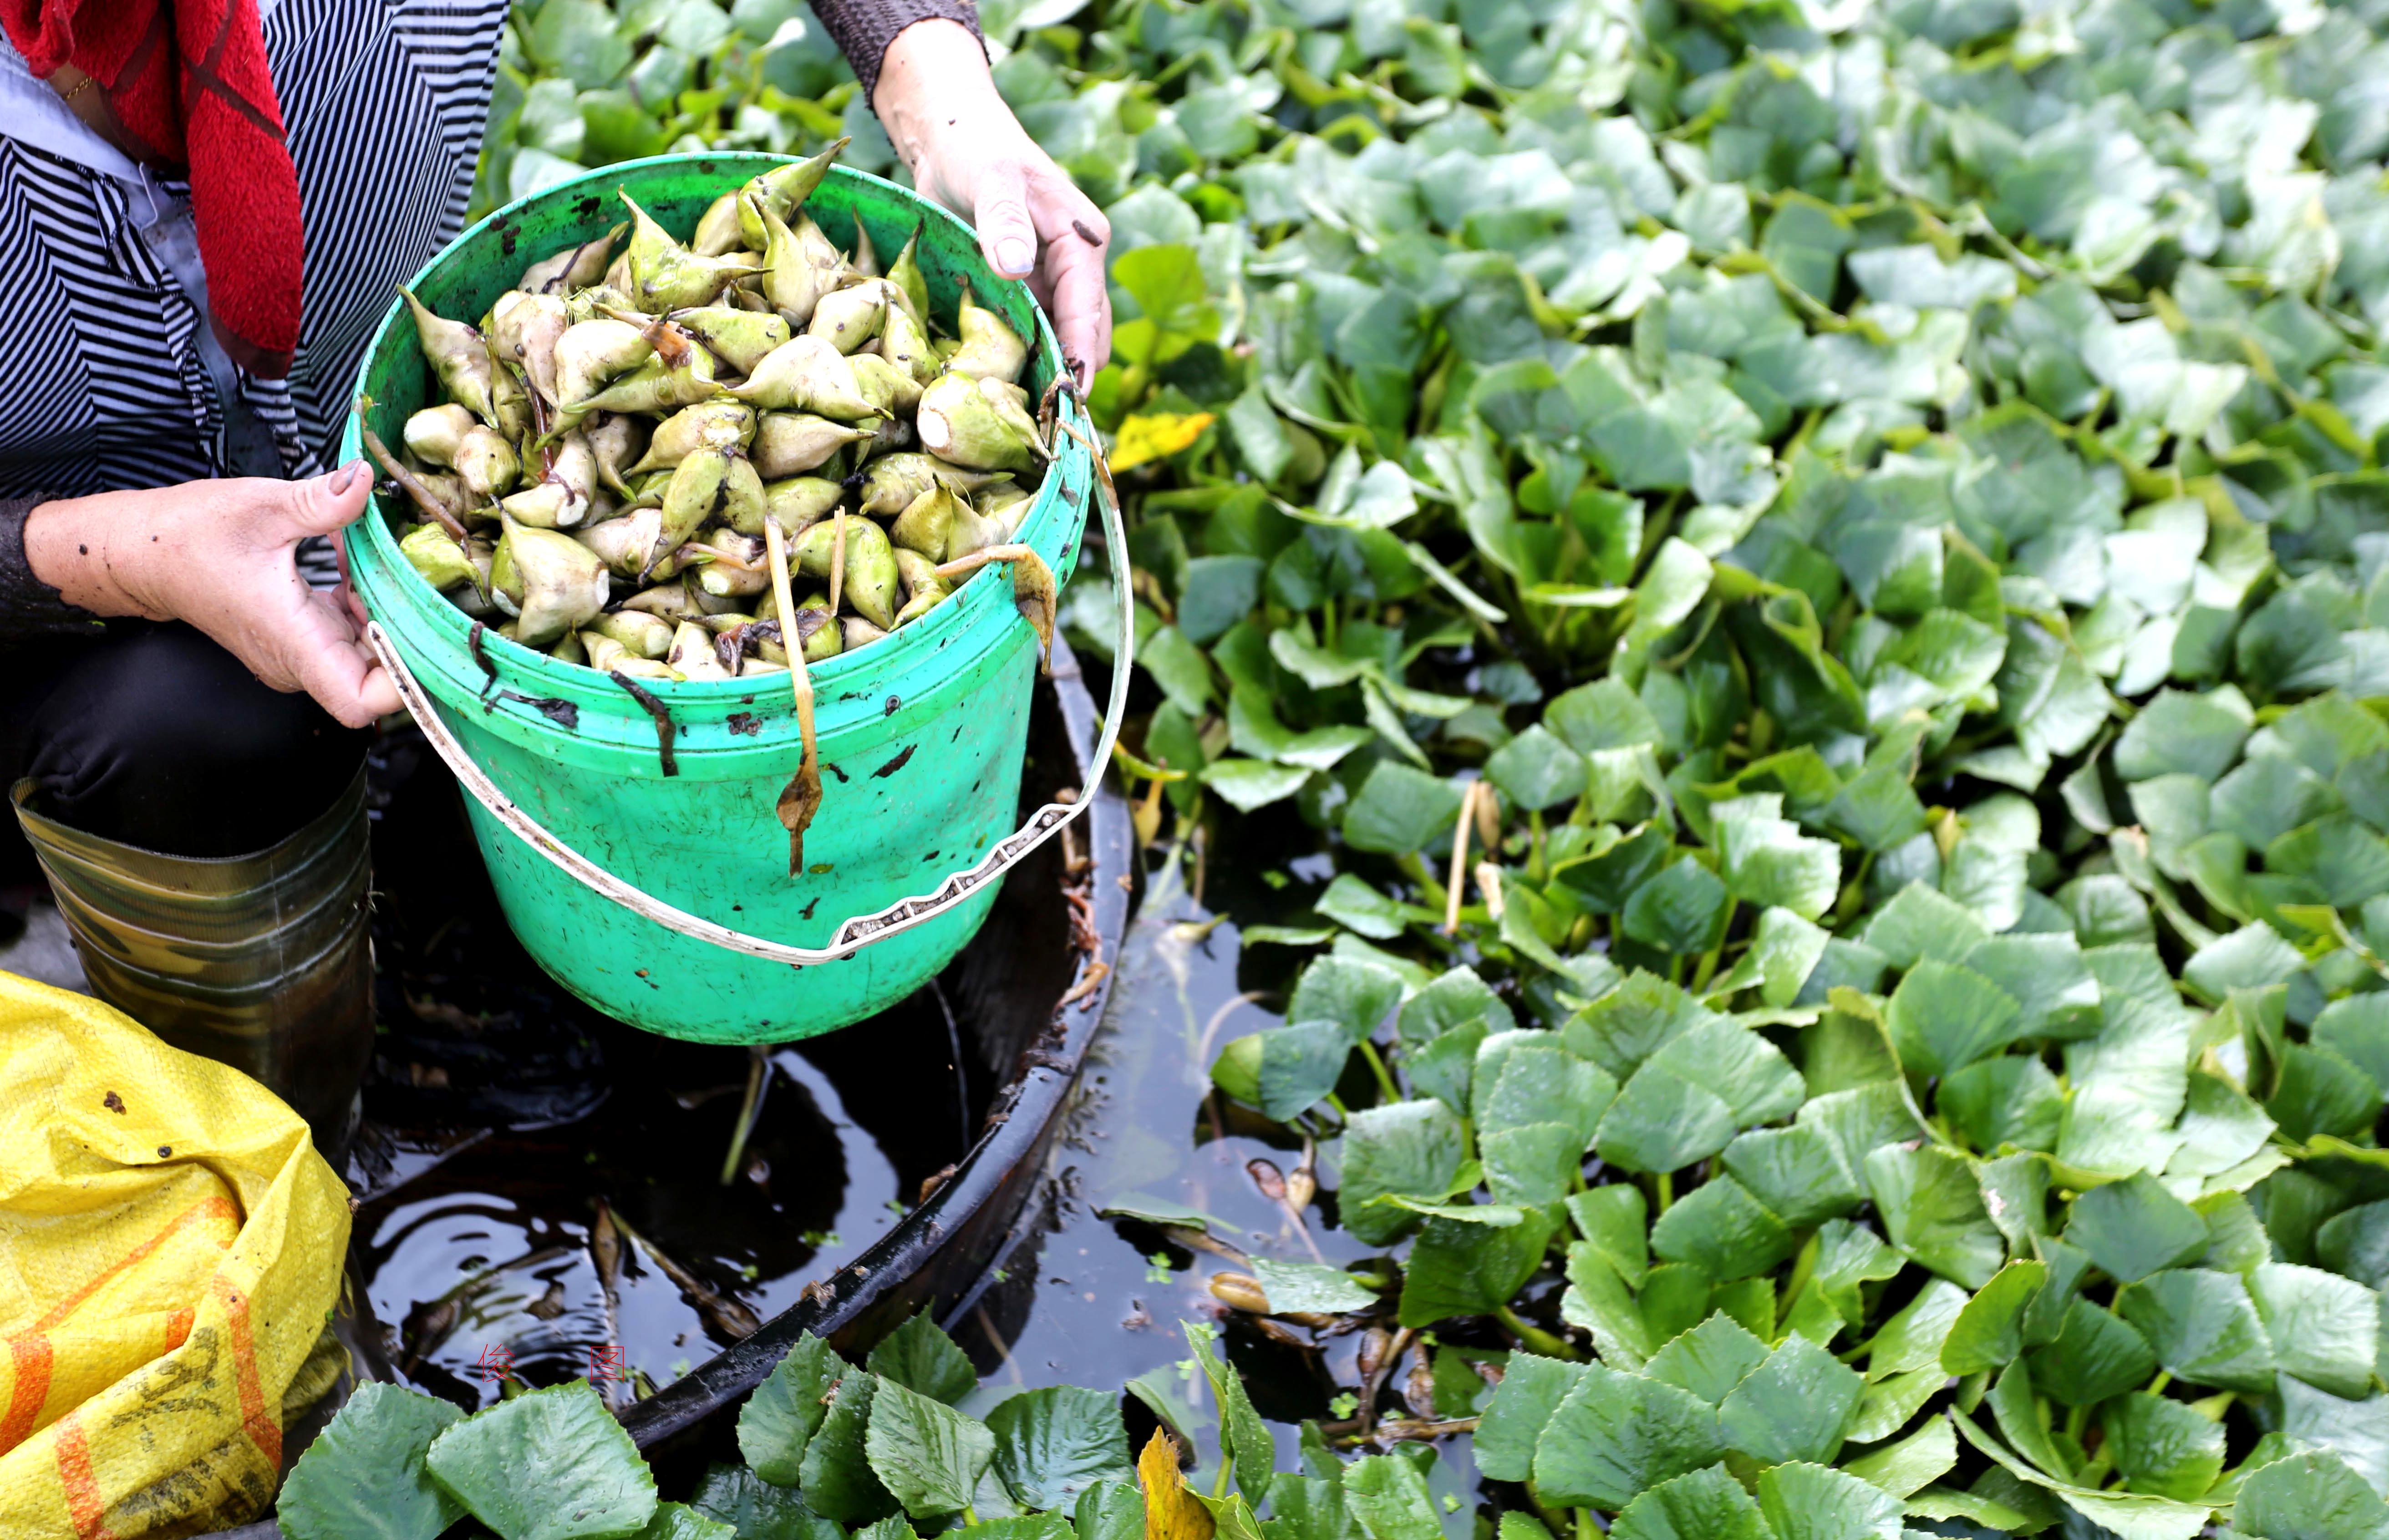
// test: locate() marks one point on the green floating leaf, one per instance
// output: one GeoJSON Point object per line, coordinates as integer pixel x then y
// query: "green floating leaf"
{"type": "Point", "coordinates": [1700, 1505]}
{"type": "Point", "coordinates": [736, 1497]}
{"type": "Point", "coordinates": [781, 1418]}
{"type": "Point", "coordinates": [1463, 1269]}
{"type": "Point", "coordinates": [2134, 1227]}
{"type": "Point", "coordinates": [1054, 1444]}
{"type": "Point", "coordinates": [363, 1477]}
{"type": "Point", "coordinates": [1797, 1405]}
{"type": "Point", "coordinates": [1245, 1438]}
{"type": "Point", "coordinates": [1389, 1496]}
{"type": "Point", "coordinates": [2161, 1446]}
{"type": "Point", "coordinates": [1616, 1434]}
{"type": "Point", "coordinates": [2310, 1496]}
{"type": "Point", "coordinates": [1933, 1209]}
{"type": "Point", "coordinates": [1412, 1149]}
{"type": "Point", "coordinates": [549, 1465]}
{"type": "Point", "coordinates": [928, 1455]}
{"type": "Point", "coordinates": [1307, 1289]}
{"type": "Point", "coordinates": [1530, 1391]}
{"type": "Point", "coordinates": [1809, 1502]}
{"type": "Point", "coordinates": [1989, 1332]}
{"type": "Point", "coordinates": [2203, 1327]}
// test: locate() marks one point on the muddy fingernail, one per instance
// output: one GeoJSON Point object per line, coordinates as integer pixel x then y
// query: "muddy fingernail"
{"type": "Point", "coordinates": [346, 474]}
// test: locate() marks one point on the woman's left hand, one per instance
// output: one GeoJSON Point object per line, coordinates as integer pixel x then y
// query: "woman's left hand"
{"type": "Point", "coordinates": [966, 150]}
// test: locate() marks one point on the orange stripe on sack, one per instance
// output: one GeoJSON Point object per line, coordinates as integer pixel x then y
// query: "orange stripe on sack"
{"type": "Point", "coordinates": [178, 1327]}
{"type": "Point", "coordinates": [84, 1504]}
{"type": "Point", "coordinates": [265, 1432]}
{"type": "Point", "coordinates": [30, 1363]}
{"type": "Point", "coordinates": [217, 1207]}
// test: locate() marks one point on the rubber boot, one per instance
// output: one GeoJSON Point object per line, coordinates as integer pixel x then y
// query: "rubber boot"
{"type": "Point", "coordinates": [260, 962]}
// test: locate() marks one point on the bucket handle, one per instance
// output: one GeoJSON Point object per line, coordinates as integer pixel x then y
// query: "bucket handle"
{"type": "Point", "coordinates": [853, 935]}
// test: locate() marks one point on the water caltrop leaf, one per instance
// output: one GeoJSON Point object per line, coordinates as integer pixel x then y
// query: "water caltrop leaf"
{"type": "Point", "coordinates": [2134, 1227]}
{"type": "Point", "coordinates": [1700, 1505]}
{"type": "Point", "coordinates": [920, 1357]}
{"type": "Point", "coordinates": [1390, 1498]}
{"type": "Point", "coordinates": [2203, 1327]}
{"type": "Point", "coordinates": [1463, 1269]}
{"type": "Point", "coordinates": [1246, 1439]}
{"type": "Point", "coordinates": [1521, 1405]}
{"type": "Point", "coordinates": [780, 1418]}
{"type": "Point", "coordinates": [1109, 1510]}
{"type": "Point", "coordinates": [1806, 1501]}
{"type": "Point", "coordinates": [1989, 1332]}
{"type": "Point", "coordinates": [1410, 1148]}
{"type": "Point", "coordinates": [1615, 1435]}
{"type": "Point", "coordinates": [836, 1478]}
{"type": "Point", "coordinates": [1052, 1444]}
{"type": "Point", "coordinates": [681, 1522]}
{"type": "Point", "coordinates": [549, 1465]}
{"type": "Point", "coordinates": [928, 1455]}
{"type": "Point", "coordinates": [1309, 1289]}
{"type": "Point", "coordinates": [1797, 1405]}
{"type": "Point", "coordinates": [750, 1508]}
{"type": "Point", "coordinates": [365, 1475]}
{"type": "Point", "coordinates": [1933, 1209]}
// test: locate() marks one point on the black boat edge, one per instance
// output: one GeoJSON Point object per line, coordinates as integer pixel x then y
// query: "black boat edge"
{"type": "Point", "coordinates": [1047, 1012]}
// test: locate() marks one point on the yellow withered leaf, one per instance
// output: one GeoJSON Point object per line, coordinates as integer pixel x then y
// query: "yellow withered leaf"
{"type": "Point", "coordinates": [1156, 436]}
{"type": "Point", "coordinates": [1170, 1512]}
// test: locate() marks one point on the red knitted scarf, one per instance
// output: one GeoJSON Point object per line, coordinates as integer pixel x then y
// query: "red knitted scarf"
{"type": "Point", "coordinates": [189, 83]}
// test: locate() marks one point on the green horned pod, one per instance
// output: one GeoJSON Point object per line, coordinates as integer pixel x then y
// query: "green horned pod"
{"type": "Point", "coordinates": [793, 283]}
{"type": "Point", "coordinates": [593, 354]}
{"type": "Point", "coordinates": [780, 192]}
{"type": "Point", "coordinates": [741, 338]}
{"type": "Point", "coordinates": [893, 481]}
{"type": "Point", "coordinates": [433, 434]}
{"type": "Point", "coordinates": [885, 386]}
{"type": "Point", "coordinates": [858, 633]}
{"type": "Point", "coordinates": [962, 425]}
{"type": "Point", "coordinates": [643, 635]}
{"type": "Point", "coordinates": [912, 284]}
{"type": "Point", "coordinates": [807, 374]}
{"type": "Point", "coordinates": [973, 532]}
{"type": "Point", "coordinates": [712, 484]}
{"type": "Point", "coordinates": [669, 601]}
{"type": "Point", "coordinates": [666, 276]}
{"type": "Point", "coordinates": [737, 566]}
{"type": "Point", "coordinates": [904, 344]}
{"type": "Point", "coordinates": [692, 655]}
{"type": "Point", "coordinates": [626, 544]}
{"type": "Point", "coordinates": [924, 588]}
{"type": "Point", "coordinates": [459, 358]}
{"type": "Point", "coordinates": [871, 580]}
{"type": "Point", "coordinates": [990, 348]}
{"type": "Point", "coordinates": [926, 525]}
{"type": "Point", "coordinates": [720, 424]}
{"type": "Point", "coordinates": [1004, 500]}
{"type": "Point", "coordinates": [658, 385]}
{"type": "Point", "coordinates": [524, 332]}
{"type": "Point", "coordinates": [789, 444]}
{"type": "Point", "coordinates": [550, 581]}
{"type": "Point", "coordinates": [818, 629]}
{"type": "Point", "coordinates": [486, 464]}
{"type": "Point", "coordinates": [575, 267]}
{"type": "Point", "coordinates": [602, 653]}
{"type": "Point", "coordinates": [617, 442]}
{"type": "Point", "coordinates": [850, 317]}
{"type": "Point", "coordinates": [567, 649]}
{"type": "Point", "coordinates": [797, 501]}
{"type": "Point", "coordinates": [433, 552]}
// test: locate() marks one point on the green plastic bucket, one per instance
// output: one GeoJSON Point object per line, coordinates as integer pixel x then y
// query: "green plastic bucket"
{"type": "Point", "coordinates": [654, 886]}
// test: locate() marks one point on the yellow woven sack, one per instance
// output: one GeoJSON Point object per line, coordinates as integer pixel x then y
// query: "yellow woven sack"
{"type": "Point", "coordinates": [169, 1249]}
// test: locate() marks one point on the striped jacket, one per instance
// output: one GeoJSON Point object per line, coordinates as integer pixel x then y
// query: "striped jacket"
{"type": "Point", "coordinates": [108, 378]}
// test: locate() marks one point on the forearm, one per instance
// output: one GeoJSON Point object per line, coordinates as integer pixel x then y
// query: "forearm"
{"type": "Point", "coordinates": [92, 552]}
{"type": "Point", "coordinates": [934, 77]}
{"type": "Point", "coordinates": [865, 29]}
{"type": "Point", "coordinates": [31, 602]}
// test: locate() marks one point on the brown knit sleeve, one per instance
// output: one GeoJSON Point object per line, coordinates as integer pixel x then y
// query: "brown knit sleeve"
{"type": "Point", "coordinates": [28, 606]}
{"type": "Point", "coordinates": [864, 28]}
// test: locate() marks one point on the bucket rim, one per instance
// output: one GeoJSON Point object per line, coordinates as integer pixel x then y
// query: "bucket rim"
{"type": "Point", "coordinates": [1053, 526]}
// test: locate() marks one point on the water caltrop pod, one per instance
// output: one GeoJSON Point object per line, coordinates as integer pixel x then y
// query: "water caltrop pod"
{"type": "Point", "coordinates": [990, 348]}
{"type": "Point", "coordinates": [871, 580]}
{"type": "Point", "coordinates": [789, 444]}
{"type": "Point", "coordinates": [553, 582]}
{"type": "Point", "coordinates": [807, 374]}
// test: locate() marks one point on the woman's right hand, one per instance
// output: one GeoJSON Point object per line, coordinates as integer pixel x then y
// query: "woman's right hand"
{"type": "Point", "coordinates": [220, 557]}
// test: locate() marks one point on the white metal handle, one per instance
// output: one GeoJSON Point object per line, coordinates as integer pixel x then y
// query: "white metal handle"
{"type": "Point", "coordinates": [854, 934]}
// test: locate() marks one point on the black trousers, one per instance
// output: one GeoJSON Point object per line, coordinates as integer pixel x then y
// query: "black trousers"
{"type": "Point", "coordinates": [150, 734]}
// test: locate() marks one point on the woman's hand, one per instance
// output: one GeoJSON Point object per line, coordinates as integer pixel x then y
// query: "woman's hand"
{"type": "Point", "coordinates": [220, 557]}
{"type": "Point", "coordinates": [966, 150]}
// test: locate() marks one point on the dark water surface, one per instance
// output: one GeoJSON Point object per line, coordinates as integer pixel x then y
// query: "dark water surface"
{"type": "Point", "coordinates": [479, 1251]}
